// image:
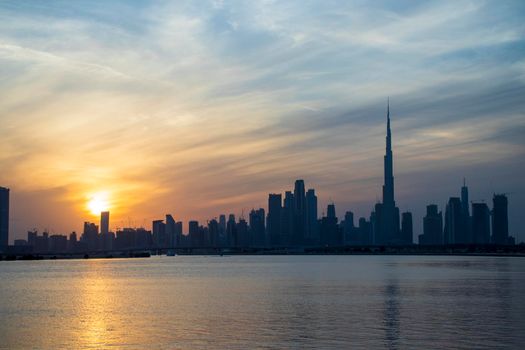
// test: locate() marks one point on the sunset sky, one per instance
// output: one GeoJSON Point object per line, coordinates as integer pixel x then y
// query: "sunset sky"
{"type": "Point", "coordinates": [202, 108]}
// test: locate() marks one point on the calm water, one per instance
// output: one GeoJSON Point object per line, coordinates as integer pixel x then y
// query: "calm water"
{"type": "Point", "coordinates": [247, 302]}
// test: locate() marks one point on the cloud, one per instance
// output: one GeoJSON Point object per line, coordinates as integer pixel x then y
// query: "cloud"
{"type": "Point", "coordinates": [204, 108]}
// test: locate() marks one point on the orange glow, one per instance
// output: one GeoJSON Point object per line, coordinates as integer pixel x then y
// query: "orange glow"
{"type": "Point", "coordinates": [98, 203]}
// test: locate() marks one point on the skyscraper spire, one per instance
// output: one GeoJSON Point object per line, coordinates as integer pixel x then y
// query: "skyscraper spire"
{"type": "Point", "coordinates": [388, 188]}
{"type": "Point", "coordinates": [389, 215]}
{"type": "Point", "coordinates": [388, 133]}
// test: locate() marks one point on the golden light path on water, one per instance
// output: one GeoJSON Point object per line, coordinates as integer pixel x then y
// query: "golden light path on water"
{"type": "Point", "coordinates": [249, 302]}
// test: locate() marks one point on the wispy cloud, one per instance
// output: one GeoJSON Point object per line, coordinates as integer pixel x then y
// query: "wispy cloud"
{"type": "Point", "coordinates": [204, 107]}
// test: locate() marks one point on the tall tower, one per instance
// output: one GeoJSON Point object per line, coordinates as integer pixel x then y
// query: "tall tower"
{"type": "Point", "coordinates": [500, 219]}
{"type": "Point", "coordinates": [299, 213]}
{"type": "Point", "coordinates": [386, 214]}
{"type": "Point", "coordinates": [273, 222]}
{"type": "Point", "coordinates": [104, 222]}
{"type": "Point", "coordinates": [466, 232]}
{"type": "Point", "coordinates": [388, 187]}
{"type": "Point", "coordinates": [4, 218]}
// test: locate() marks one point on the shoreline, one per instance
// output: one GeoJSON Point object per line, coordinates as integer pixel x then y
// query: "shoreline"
{"type": "Point", "coordinates": [519, 252]}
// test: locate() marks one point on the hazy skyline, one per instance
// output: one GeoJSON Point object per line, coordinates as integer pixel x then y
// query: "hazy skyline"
{"type": "Point", "coordinates": [203, 108]}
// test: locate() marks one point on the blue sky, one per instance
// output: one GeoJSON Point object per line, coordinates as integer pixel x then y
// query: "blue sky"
{"type": "Point", "coordinates": [201, 108]}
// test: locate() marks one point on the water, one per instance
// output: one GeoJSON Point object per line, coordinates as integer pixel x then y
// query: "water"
{"type": "Point", "coordinates": [269, 302]}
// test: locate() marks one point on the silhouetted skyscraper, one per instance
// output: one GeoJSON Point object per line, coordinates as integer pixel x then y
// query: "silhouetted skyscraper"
{"type": "Point", "coordinates": [453, 232]}
{"type": "Point", "coordinates": [349, 231]}
{"type": "Point", "coordinates": [312, 229]}
{"type": "Point", "coordinates": [159, 233]}
{"type": "Point", "coordinates": [274, 218]}
{"type": "Point", "coordinates": [4, 218]}
{"type": "Point", "coordinates": [387, 215]}
{"type": "Point", "coordinates": [330, 211]}
{"type": "Point", "coordinates": [179, 237]}
{"type": "Point", "coordinates": [432, 227]}
{"type": "Point", "coordinates": [241, 239]}
{"type": "Point", "coordinates": [257, 229]}
{"type": "Point", "coordinates": [299, 211]}
{"type": "Point", "coordinates": [331, 233]}
{"type": "Point", "coordinates": [365, 232]}
{"type": "Point", "coordinates": [231, 231]}
{"type": "Point", "coordinates": [193, 233]}
{"type": "Point", "coordinates": [90, 236]}
{"type": "Point", "coordinates": [171, 237]}
{"type": "Point", "coordinates": [104, 222]}
{"type": "Point", "coordinates": [287, 216]}
{"type": "Point", "coordinates": [72, 242]}
{"type": "Point", "coordinates": [500, 219]}
{"type": "Point", "coordinates": [222, 230]}
{"type": "Point", "coordinates": [213, 231]}
{"type": "Point", "coordinates": [466, 236]}
{"type": "Point", "coordinates": [481, 223]}
{"type": "Point", "coordinates": [407, 228]}
{"type": "Point", "coordinates": [107, 239]}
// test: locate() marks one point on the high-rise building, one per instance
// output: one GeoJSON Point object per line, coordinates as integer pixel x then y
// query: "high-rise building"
{"type": "Point", "coordinates": [312, 227]}
{"type": "Point", "coordinates": [104, 222]}
{"type": "Point", "coordinates": [330, 232]}
{"type": "Point", "coordinates": [193, 233]}
{"type": "Point", "coordinates": [273, 222]}
{"type": "Point", "coordinates": [299, 213]}
{"type": "Point", "coordinates": [179, 237]}
{"type": "Point", "coordinates": [453, 232]}
{"type": "Point", "coordinates": [4, 218]}
{"type": "Point", "coordinates": [107, 241]}
{"type": "Point", "coordinates": [72, 242]}
{"type": "Point", "coordinates": [213, 231]}
{"type": "Point", "coordinates": [159, 233]}
{"type": "Point", "coordinates": [90, 236]}
{"type": "Point", "coordinates": [432, 227]}
{"type": "Point", "coordinates": [330, 211]}
{"type": "Point", "coordinates": [241, 239]}
{"type": "Point", "coordinates": [387, 214]}
{"type": "Point", "coordinates": [171, 238]}
{"type": "Point", "coordinates": [287, 222]}
{"type": "Point", "coordinates": [231, 231]}
{"type": "Point", "coordinates": [222, 230]}
{"type": "Point", "coordinates": [257, 236]}
{"type": "Point", "coordinates": [364, 232]}
{"type": "Point", "coordinates": [466, 236]}
{"type": "Point", "coordinates": [407, 228]}
{"type": "Point", "coordinates": [349, 231]}
{"type": "Point", "coordinates": [500, 219]}
{"type": "Point", "coordinates": [481, 223]}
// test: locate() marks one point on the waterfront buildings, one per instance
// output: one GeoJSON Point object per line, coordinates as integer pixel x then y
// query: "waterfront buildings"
{"type": "Point", "coordinates": [4, 218]}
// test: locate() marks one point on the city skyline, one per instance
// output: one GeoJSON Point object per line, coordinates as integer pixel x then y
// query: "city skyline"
{"type": "Point", "coordinates": [232, 174]}
{"type": "Point", "coordinates": [201, 109]}
{"type": "Point", "coordinates": [385, 212]}
{"type": "Point", "coordinates": [292, 221]}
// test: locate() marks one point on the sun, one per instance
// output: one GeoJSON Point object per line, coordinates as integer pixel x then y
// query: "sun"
{"type": "Point", "coordinates": [98, 203]}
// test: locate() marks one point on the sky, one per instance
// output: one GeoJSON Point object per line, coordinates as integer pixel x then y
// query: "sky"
{"type": "Point", "coordinates": [198, 108]}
